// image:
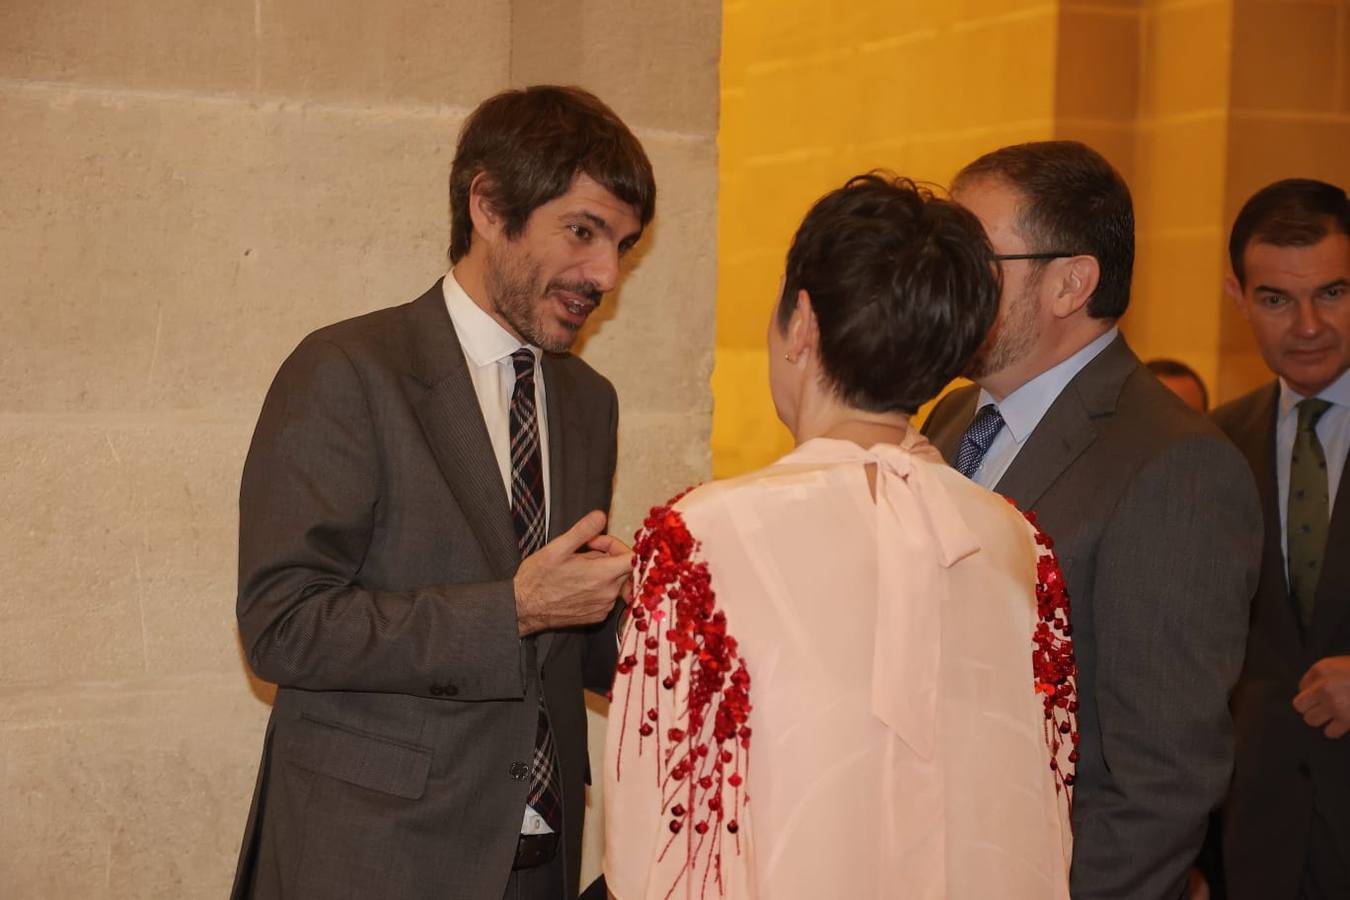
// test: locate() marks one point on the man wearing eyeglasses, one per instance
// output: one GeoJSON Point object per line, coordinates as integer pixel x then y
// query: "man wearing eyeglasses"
{"type": "Point", "coordinates": [1154, 515]}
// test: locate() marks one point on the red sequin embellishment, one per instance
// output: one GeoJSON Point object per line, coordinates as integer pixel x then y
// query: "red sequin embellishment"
{"type": "Point", "coordinates": [1053, 664]}
{"type": "Point", "coordinates": [700, 789]}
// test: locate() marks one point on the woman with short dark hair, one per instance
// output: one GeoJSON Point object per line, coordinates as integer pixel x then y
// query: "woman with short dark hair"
{"type": "Point", "coordinates": [849, 674]}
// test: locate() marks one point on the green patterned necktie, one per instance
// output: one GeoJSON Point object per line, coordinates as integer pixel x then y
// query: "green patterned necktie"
{"type": "Point", "coordinates": [1309, 511]}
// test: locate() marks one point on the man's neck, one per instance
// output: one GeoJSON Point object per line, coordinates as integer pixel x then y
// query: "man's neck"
{"type": "Point", "coordinates": [1043, 358]}
{"type": "Point", "coordinates": [469, 273]}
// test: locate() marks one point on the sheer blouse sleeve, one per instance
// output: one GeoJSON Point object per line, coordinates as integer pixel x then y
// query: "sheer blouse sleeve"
{"type": "Point", "coordinates": [677, 811]}
{"type": "Point", "coordinates": [1054, 665]}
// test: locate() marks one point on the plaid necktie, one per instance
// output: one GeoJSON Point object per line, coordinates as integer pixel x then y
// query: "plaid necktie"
{"type": "Point", "coordinates": [1307, 519]}
{"type": "Point", "coordinates": [975, 443]}
{"type": "Point", "coordinates": [527, 512]}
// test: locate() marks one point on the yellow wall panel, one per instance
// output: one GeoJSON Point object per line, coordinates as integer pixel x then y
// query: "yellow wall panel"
{"type": "Point", "coordinates": [1265, 148]}
{"type": "Point", "coordinates": [1175, 308]}
{"type": "Point", "coordinates": [1281, 52]}
{"type": "Point", "coordinates": [1097, 75]}
{"type": "Point", "coordinates": [816, 92]}
{"type": "Point", "coordinates": [1197, 102]}
{"type": "Point", "coordinates": [1184, 60]}
{"type": "Point", "coordinates": [1180, 173]}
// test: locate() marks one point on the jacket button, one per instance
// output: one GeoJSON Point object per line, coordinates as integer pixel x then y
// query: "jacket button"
{"type": "Point", "coordinates": [450, 690]}
{"type": "Point", "coordinates": [1303, 771]}
{"type": "Point", "coordinates": [436, 690]}
{"type": "Point", "coordinates": [518, 771]}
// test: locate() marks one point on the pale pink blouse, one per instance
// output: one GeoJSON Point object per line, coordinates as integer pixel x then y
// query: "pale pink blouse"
{"type": "Point", "coordinates": [825, 695]}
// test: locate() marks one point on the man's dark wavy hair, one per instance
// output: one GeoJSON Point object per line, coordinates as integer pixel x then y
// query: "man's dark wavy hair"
{"type": "Point", "coordinates": [903, 285]}
{"type": "Point", "coordinates": [531, 144]}
{"type": "Point", "coordinates": [1294, 212]}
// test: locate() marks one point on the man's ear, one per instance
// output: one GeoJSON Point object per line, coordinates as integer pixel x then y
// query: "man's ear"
{"type": "Point", "coordinates": [487, 222]}
{"type": "Point", "coordinates": [1233, 289]}
{"type": "Point", "coordinates": [1077, 282]}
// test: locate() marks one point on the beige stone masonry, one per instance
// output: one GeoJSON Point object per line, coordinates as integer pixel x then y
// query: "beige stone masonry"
{"type": "Point", "coordinates": [187, 189]}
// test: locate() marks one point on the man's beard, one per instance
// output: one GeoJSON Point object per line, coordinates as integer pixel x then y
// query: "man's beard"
{"type": "Point", "coordinates": [1011, 339]}
{"type": "Point", "coordinates": [514, 284]}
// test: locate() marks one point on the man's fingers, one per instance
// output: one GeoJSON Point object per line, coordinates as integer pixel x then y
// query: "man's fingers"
{"type": "Point", "coordinates": [587, 528]}
{"type": "Point", "coordinates": [1317, 715]}
{"type": "Point", "coordinates": [608, 543]}
{"type": "Point", "coordinates": [1305, 699]}
{"type": "Point", "coordinates": [1338, 728]}
{"type": "Point", "coordinates": [610, 568]}
{"type": "Point", "coordinates": [1310, 677]}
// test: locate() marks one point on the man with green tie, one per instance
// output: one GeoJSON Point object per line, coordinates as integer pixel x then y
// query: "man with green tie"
{"type": "Point", "coordinates": [1287, 819]}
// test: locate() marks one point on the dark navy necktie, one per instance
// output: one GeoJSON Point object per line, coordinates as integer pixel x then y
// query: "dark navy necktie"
{"type": "Point", "coordinates": [975, 443]}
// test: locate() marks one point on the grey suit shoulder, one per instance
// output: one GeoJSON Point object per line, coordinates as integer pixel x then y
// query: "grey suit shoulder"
{"type": "Point", "coordinates": [1156, 523]}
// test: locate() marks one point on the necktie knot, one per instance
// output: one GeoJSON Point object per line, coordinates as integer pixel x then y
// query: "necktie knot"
{"type": "Point", "coordinates": [523, 361]}
{"type": "Point", "coordinates": [1310, 412]}
{"type": "Point", "coordinates": [977, 440]}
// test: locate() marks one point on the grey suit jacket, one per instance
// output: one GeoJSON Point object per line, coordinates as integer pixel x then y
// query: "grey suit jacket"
{"type": "Point", "coordinates": [1157, 525]}
{"type": "Point", "coordinates": [1284, 768]}
{"type": "Point", "coordinates": [376, 556]}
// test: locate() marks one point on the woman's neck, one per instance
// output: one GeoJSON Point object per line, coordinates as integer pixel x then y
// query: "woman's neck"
{"type": "Point", "coordinates": [828, 418]}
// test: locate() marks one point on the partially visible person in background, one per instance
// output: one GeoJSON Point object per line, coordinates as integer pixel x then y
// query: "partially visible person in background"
{"type": "Point", "coordinates": [1287, 819]}
{"type": "Point", "coordinates": [1181, 380]}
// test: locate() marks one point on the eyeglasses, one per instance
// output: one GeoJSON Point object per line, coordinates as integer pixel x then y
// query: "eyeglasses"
{"type": "Point", "coordinates": [1056, 255]}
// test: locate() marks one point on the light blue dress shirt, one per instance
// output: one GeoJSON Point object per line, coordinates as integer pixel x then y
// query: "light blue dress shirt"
{"type": "Point", "coordinates": [1024, 408]}
{"type": "Point", "coordinates": [1333, 430]}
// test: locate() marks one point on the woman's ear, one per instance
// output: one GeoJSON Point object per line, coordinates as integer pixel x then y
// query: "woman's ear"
{"type": "Point", "coordinates": [803, 332]}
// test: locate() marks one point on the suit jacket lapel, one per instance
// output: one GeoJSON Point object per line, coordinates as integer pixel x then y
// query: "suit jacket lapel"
{"type": "Point", "coordinates": [1255, 437]}
{"type": "Point", "coordinates": [566, 461]}
{"type": "Point", "coordinates": [453, 422]}
{"type": "Point", "coordinates": [1067, 428]}
{"type": "Point", "coordinates": [1058, 439]}
{"type": "Point", "coordinates": [1333, 586]}
{"type": "Point", "coordinates": [566, 447]}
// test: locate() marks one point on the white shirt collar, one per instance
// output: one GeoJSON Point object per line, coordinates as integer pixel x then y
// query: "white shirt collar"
{"type": "Point", "coordinates": [1338, 392]}
{"type": "Point", "coordinates": [483, 338]}
{"type": "Point", "coordinates": [1023, 409]}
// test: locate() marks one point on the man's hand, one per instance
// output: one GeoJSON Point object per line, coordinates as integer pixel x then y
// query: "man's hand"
{"type": "Point", "coordinates": [572, 580]}
{"type": "Point", "coordinates": [1324, 696]}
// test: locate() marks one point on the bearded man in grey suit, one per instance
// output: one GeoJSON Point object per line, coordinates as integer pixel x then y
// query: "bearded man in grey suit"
{"type": "Point", "coordinates": [1154, 514]}
{"type": "Point", "coordinates": [428, 738]}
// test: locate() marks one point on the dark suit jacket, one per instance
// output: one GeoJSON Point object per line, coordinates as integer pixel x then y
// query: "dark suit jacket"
{"type": "Point", "coordinates": [1284, 766]}
{"type": "Point", "coordinates": [376, 556]}
{"type": "Point", "coordinates": [1157, 525]}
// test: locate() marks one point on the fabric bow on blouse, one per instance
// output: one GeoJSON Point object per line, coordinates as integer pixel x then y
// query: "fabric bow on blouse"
{"type": "Point", "coordinates": [913, 511]}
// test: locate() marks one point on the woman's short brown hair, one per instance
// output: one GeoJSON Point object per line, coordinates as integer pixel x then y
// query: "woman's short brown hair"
{"type": "Point", "coordinates": [903, 286]}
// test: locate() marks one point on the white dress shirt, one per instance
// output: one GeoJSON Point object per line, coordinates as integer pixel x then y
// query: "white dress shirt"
{"type": "Point", "coordinates": [487, 352]}
{"type": "Point", "coordinates": [1023, 409]}
{"type": "Point", "coordinates": [1333, 431]}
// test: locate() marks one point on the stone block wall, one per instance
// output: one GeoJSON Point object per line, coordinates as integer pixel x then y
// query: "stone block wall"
{"type": "Point", "coordinates": [186, 189]}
